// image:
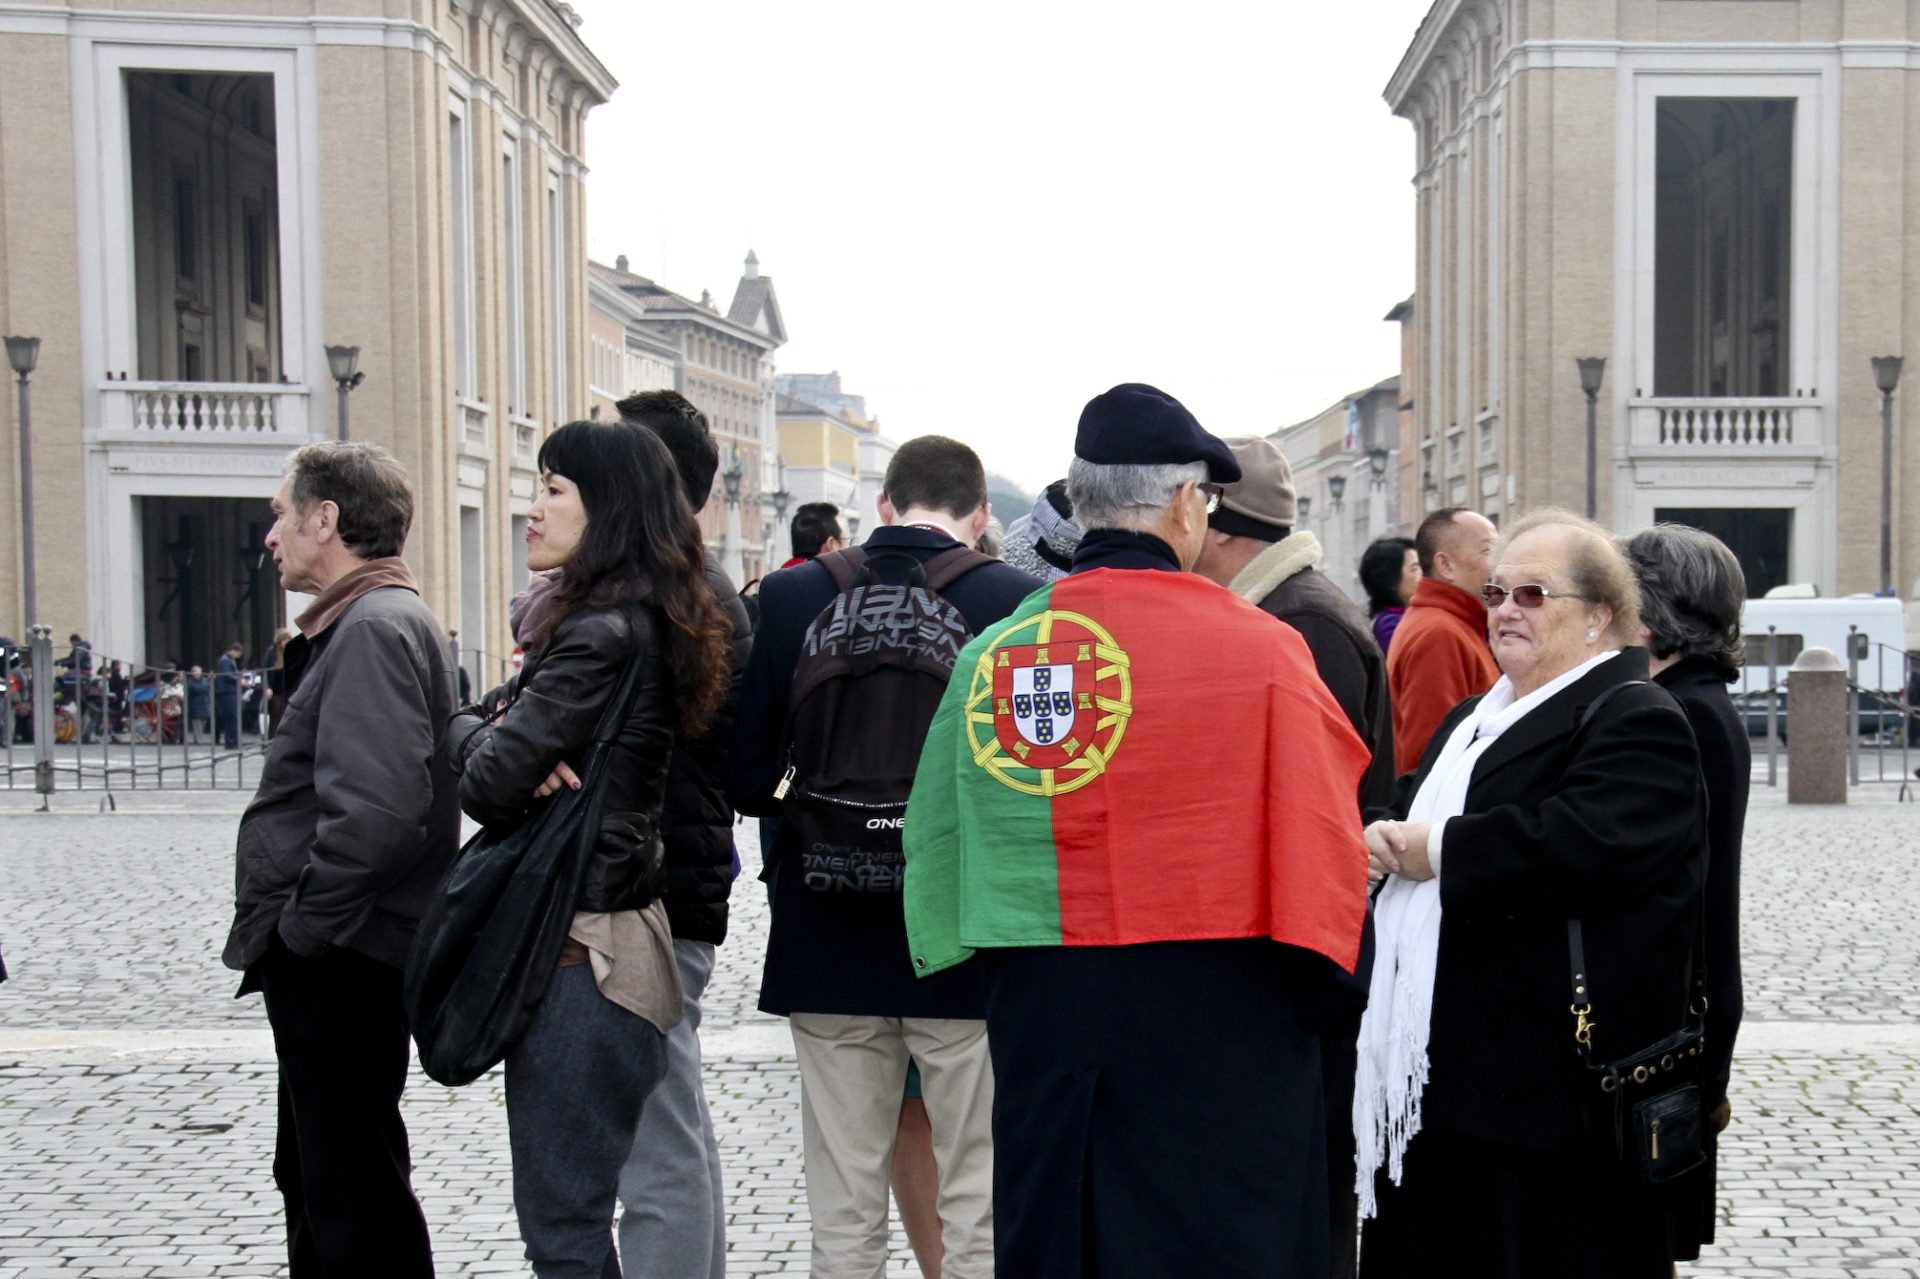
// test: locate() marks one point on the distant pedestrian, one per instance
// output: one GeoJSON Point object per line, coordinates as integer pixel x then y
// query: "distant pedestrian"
{"type": "Point", "coordinates": [1041, 542]}
{"type": "Point", "coordinates": [227, 679]}
{"type": "Point", "coordinates": [355, 822]}
{"type": "Point", "coordinates": [277, 681]}
{"type": "Point", "coordinates": [630, 595]}
{"type": "Point", "coordinates": [1440, 655]}
{"type": "Point", "coordinates": [814, 531]}
{"type": "Point", "coordinates": [1389, 573]}
{"type": "Point", "coordinates": [199, 703]}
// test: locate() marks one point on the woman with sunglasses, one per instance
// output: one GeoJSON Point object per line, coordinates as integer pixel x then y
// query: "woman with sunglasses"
{"type": "Point", "coordinates": [613, 525]}
{"type": "Point", "coordinates": [1569, 791]}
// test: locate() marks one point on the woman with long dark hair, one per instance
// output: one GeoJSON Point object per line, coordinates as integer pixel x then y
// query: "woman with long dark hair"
{"type": "Point", "coordinates": [1389, 570]}
{"type": "Point", "coordinates": [613, 526]}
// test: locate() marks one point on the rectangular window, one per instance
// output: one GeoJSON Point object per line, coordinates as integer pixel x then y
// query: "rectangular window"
{"type": "Point", "coordinates": [460, 205]}
{"type": "Point", "coordinates": [1722, 236]}
{"type": "Point", "coordinates": [514, 268]}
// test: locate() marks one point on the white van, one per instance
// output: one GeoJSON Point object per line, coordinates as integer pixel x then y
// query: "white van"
{"type": "Point", "coordinates": [1826, 623]}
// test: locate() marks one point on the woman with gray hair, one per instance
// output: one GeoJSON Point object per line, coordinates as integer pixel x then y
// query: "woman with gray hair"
{"type": "Point", "coordinates": [1691, 592]}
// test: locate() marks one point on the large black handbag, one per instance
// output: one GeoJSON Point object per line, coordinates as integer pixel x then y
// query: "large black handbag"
{"type": "Point", "coordinates": [491, 938]}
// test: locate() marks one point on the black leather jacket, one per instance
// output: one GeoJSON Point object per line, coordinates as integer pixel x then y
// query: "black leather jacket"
{"type": "Point", "coordinates": [552, 709]}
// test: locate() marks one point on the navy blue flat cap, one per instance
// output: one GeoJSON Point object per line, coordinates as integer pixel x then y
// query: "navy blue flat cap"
{"type": "Point", "coordinates": [1139, 425]}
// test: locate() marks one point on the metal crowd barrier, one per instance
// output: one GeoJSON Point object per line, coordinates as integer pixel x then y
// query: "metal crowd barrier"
{"type": "Point", "coordinates": [107, 724]}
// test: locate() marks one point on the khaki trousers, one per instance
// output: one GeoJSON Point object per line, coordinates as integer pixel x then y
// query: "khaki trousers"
{"type": "Point", "coordinates": [852, 1073]}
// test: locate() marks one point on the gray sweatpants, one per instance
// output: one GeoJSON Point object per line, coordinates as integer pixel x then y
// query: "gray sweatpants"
{"type": "Point", "coordinates": [674, 1224]}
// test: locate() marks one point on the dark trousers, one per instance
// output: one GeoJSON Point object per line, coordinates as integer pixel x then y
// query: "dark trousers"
{"type": "Point", "coordinates": [341, 1160]}
{"type": "Point", "coordinates": [576, 1083]}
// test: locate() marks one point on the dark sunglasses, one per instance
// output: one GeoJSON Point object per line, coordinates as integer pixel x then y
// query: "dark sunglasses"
{"type": "Point", "coordinates": [1528, 596]}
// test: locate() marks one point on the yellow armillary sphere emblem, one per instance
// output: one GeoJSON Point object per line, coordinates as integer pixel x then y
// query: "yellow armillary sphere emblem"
{"type": "Point", "coordinates": [1044, 714]}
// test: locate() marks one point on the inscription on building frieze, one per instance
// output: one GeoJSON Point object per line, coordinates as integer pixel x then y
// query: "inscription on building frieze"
{"type": "Point", "coordinates": [1723, 475]}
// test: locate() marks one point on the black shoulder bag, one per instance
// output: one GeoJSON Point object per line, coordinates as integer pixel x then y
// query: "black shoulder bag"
{"type": "Point", "coordinates": [487, 948]}
{"type": "Point", "coordinates": [1650, 1099]}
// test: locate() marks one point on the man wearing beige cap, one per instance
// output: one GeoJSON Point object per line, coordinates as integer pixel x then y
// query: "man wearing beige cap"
{"type": "Point", "coordinates": [1252, 549]}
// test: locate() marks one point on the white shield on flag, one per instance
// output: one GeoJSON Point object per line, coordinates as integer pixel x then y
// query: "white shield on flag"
{"type": "Point", "coordinates": [1043, 703]}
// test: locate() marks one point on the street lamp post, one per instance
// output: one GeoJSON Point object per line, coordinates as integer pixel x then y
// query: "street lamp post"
{"type": "Point", "coordinates": [1886, 376]}
{"type": "Point", "coordinates": [735, 559]}
{"type": "Point", "coordinates": [1592, 369]}
{"type": "Point", "coordinates": [340, 362]}
{"type": "Point", "coordinates": [23, 354]}
{"type": "Point", "coordinates": [1336, 489]}
{"type": "Point", "coordinates": [1377, 465]}
{"type": "Point", "coordinates": [1305, 503]}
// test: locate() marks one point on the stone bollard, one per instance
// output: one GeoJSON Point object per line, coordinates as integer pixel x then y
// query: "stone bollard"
{"type": "Point", "coordinates": [1817, 729]}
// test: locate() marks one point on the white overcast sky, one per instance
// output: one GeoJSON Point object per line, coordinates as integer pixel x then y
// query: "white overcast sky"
{"type": "Point", "coordinates": [984, 215]}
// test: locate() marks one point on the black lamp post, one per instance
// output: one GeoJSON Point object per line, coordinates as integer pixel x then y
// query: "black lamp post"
{"type": "Point", "coordinates": [1886, 376]}
{"type": "Point", "coordinates": [340, 362]}
{"type": "Point", "coordinates": [1377, 465]}
{"type": "Point", "coordinates": [1336, 489]}
{"type": "Point", "coordinates": [23, 354]}
{"type": "Point", "coordinates": [1305, 503]}
{"type": "Point", "coordinates": [1592, 369]}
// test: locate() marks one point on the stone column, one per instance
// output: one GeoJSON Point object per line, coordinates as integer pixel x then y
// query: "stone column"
{"type": "Point", "coordinates": [1817, 729]}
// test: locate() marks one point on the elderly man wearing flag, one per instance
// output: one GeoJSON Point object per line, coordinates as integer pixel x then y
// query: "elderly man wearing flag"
{"type": "Point", "coordinates": [1136, 803]}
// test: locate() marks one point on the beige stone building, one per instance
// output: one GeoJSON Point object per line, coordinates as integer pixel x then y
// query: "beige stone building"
{"type": "Point", "coordinates": [193, 205]}
{"type": "Point", "coordinates": [831, 449]}
{"type": "Point", "coordinates": [1346, 460]}
{"type": "Point", "coordinates": [1718, 198]}
{"type": "Point", "coordinates": [724, 362]}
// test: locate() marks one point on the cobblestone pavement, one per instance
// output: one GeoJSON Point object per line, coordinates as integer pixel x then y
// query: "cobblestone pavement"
{"type": "Point", "coordinates": [136, 1095]}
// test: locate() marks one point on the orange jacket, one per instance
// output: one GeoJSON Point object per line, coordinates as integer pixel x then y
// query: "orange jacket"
{"type": "Point", "coordinates": [1438, 659]}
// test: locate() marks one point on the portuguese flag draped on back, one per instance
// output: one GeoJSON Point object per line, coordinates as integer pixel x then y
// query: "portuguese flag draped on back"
{"type": "Point", "coordinates": [1135, 756]}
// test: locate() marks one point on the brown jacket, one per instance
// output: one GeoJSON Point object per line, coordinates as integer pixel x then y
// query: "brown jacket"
{"type": "Point", "coordinates": [1438, 659]}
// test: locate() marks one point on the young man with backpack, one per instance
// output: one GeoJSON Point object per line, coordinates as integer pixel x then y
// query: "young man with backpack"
{"type": "Point", "coordinates": [850, 661]}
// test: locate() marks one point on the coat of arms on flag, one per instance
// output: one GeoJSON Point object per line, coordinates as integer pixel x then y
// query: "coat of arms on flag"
{"type": "Point", "coordinates": [1048, 703]}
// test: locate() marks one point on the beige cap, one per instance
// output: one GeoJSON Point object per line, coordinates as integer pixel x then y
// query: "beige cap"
{"type": "Point", "coordinates": [1261, 503]}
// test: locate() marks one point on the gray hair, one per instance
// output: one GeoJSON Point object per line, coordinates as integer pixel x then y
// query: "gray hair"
{"type": "Point", "coordinates": [1126, 495]}
{"type": "Point", "coordinates": [1691, 593]}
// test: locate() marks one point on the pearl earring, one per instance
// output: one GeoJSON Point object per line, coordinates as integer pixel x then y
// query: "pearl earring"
{"type": "Point", "coordinates": [1592, 634]}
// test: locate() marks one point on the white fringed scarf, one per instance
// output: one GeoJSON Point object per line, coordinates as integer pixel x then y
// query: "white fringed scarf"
{"type": "Point", "coordinates": [1406, 923]}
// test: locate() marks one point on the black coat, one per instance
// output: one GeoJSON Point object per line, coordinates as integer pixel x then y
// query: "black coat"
{"type": "Point", "coordinates": [554, 705]}
{"type": "Point", "coordinates": [841, 953]}
{"type": "Point", "coordinates": [1726, 762]}
{"type": "Point", "coordinates": [1605, 824]}
{"type": "Point", "coordinates": [1510, 1175]}
{"type": "Point", "coordinates": [697, 828]}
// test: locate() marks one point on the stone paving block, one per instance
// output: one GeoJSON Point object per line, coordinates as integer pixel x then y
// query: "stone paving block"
{"type": "Point", "coordinates": [151, 1155]}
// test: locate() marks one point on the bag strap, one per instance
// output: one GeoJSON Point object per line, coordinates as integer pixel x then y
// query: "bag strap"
{"type": "Point", "coordinates": [1582, 1005]}
{"type": "Point", "coordinates": [843, 567]}
{"type": "Point", "coordinates": [952, 564]}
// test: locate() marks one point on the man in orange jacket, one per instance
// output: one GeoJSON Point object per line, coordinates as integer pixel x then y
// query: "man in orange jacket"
{"type": "Point", "coordinates": [1440, 655]}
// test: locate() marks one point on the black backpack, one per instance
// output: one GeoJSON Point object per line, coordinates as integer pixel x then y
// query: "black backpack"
{"type": "Point", "coordinates": [872, 669]}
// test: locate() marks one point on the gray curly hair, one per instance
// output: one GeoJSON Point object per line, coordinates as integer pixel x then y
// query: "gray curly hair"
{"type": "Point", "coordinates": [1691, 593]}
